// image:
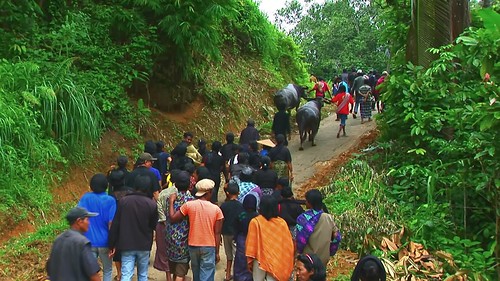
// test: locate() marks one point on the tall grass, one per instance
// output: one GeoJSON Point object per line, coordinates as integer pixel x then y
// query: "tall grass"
{"type": "Point", "coordinates": [42, 123]}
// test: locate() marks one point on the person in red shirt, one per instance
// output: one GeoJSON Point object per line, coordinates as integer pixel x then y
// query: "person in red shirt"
{"type": "Point", "coordinates": [321, 88]}
{"type": "Point", "coordinates": [343, 100]}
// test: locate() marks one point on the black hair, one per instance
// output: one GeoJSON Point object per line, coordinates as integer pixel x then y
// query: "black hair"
{"type": "Point", "coordinates": [268, 207]}
{"type": "Point", "coordinates": [369, 268]}
{"type": "Point", "coordinates": [315, 198]}
{"type": "Point", "coordinates": [180, 150]}
{"type": "Point", "coordinates": [265, 162]}
{"type": "Point", "coordinates": [342, 88]}
{"type": "Point", "coordinates": [345, 70]}
{"type": "Point", "coordinates": [283, 181]}
{"type": "Point", "coordinates": [229, 137]}
{"type": "Point", "coordinates": [190, 168]}
{"type": "Point", "coordinates": [182, 180]}
{"type": "Point", "coordinates": [122, 161]}
{"type": "Point", "coordinates": [313, 263]}
{"type": "Point", "coordinates": [142, 183]}
{"type": "Point", "coordinates": [150, 147]}
{"type": "Point", "coordinates": [99, 183]}
{"type": "Point", "coordinates": [286, 192]}
{"type": "Point", "coordinates": [233, 188]}
{"type": "Point", "coordinates": [188, 134]}
{"type": "Point", "coordinates": [159, 146]}
{"type": "Point", "coordinates": [216, 146]}
{"type": "Point", "coordinates": [203, 173]}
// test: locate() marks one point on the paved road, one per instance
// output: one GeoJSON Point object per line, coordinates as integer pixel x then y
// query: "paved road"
{"type": "Point", "coordinates": [304, 163]}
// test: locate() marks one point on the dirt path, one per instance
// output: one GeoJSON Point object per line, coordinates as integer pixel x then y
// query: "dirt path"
{"type": "Point", "coordinates": [313, 167]}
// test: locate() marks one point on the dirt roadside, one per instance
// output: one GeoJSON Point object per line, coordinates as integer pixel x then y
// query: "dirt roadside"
{"type": "Point", "coordinates": [314, 167]}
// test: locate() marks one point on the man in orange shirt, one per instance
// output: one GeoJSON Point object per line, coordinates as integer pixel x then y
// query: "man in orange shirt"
{"type": "Point", "coordinates": [205, 226]}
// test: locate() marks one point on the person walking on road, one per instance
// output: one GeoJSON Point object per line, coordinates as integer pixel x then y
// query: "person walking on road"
{"type": "Point", "coordinates": [205, 226]}
{"type": "Point", "coordinates": [269, 245]}
{"type": "Point", "coordinates": [132, 229]}
{"type": "Point", "coordinates": [71, 256]}
{"type": "Point", "coordinates": [343, 99]}
{"type": "Point", "coordinates": [98, 201]}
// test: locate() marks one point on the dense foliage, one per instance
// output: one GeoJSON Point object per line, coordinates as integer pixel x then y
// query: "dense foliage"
{"type": "Point", "coordinates": [337, 35]}
{"type": "Point", "coordinates": [70, 69]}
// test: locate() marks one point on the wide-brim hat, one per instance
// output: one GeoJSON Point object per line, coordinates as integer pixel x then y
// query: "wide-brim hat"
{"type": "Point", "coordinates": [266, 142]}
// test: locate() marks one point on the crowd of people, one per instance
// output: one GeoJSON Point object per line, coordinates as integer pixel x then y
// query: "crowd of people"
{"type": "Point", "coordinates": [352, 92]}
{"type": "Point", "coordinates": [173, 199]}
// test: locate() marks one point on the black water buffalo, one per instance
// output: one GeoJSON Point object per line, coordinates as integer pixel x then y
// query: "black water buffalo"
{"type": "Point", "coordinates": [289, 96]}
{"type": "Point", "coordinates": [308, 118]}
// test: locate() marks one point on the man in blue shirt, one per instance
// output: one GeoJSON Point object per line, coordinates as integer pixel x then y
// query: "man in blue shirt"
{"type": "Point", "coordinates": [100, 202]}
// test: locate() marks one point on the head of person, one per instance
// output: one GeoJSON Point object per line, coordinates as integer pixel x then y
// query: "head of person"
{"type": "Point", "coordinates": [201, 173]}
{"type": "Point", "coordinates": [180, 150]}
{"type": "Point", "coordinates": [233, 189]}
{"type": "Point", "coordinates": [160, 145]}
{"type": "Point", "coordinates": [146, 159]}
{"type": "Point", "coordinates": [337, 79]}
{"type": "Point", "coordinates": [344, 71]}
{"type": "Point", "coordinates": [250, 203]}
{"type": "Point", "coordinates": [310, 268]}
{"type": "Point", "coordinates": [342, 88]}
{"type": "Point", "coordinates": [229, 137]}
{"type": "Point", "coordinates": [188, 137]}
{"type": "Point", "coordinates": [99, 183]}
{"type": "Point", "coordinates": [204, 188]}
{"type": "Point", "coordinates": [190, 168]}
{"type": "Point", "coordinates": [78, 218]}
{"type": "Point", "coordinates": [216, 146]}
{"type": "Point", "coordinates": [246, 174]}
{"type": "Point", "coordinates": [150, 147]}
{"type": "Point", "coordinates": [265, 162]}
{"type": "Point", "coordinates": [287, 192]}
{"type": "Point", "coordinates": [174, 175]}
{"type": "Point", "coordinates": [321, 79]}
{"type": "Point", "coordinates": [142, 184]}
{"type": "Point", "coordinates": [359, 72]}
{"type": "Point", "coordinates": [122, 161]}
{"type": "Point", "coordinates": [250, 123]}
{"type": "Point", "coordinates": [254, 146]}
{"type": "Point", "coordinates": [314, 200]}
{"type": "Point", "coordinates": [282, 183]}
{"type": "Point", "coordinates": [182, 180]}
{"type": "Point", "coordinates": [385, 73]}
{"type": "Point", "coordinates": [280, 139]}
{"type": "Point", "coordinates": [268, 207]}
{"type": "Point", "coordinates": [366, 79]}
{"type": "Point", "coordinates": [370, 271]}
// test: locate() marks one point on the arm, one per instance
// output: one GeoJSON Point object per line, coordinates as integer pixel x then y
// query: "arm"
{"type": "Point", "coordinates": [290, 170]}
{"type": "Point", "coordinates": [218, 233]}
{"type": "Point", "coordinates": [174, 216]}
{"type": "Point", "coordinates": [95, 277]}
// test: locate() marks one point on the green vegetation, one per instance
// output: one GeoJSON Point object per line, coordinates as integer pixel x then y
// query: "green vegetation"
{"type": "Point", "coordinates": [436, 167]}
{"type": "Point", "coordinates": [71, 69]}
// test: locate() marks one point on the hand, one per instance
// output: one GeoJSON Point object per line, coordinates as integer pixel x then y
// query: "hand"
{"type": "Point", "coordinates": [217, 258]}
{"type": "Point", "coordinates": [111, 252]}
{"type": "Point", "coordinates": [172, 198]}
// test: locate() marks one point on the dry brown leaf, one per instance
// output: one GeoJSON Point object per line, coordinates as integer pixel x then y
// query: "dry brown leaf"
{"type": "Point", "coordinates": [390, 244]}
{"type": "Point", "coordinates": [402, 253]}
{"type": "Point", "coordinates": [429, 265]}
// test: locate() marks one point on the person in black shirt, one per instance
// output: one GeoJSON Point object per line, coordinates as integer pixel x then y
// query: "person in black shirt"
{"type": "Point", "coordinates": [281, 159]}
{"type": "Point", "coordinates": [281, 124]}
{"type": "Point", "coordinates": [289, 209]}
{"type": "Point", "coordinates": [228, 152]}
{"type": "Point", "coordinates": [162, 163]}
{"type": "Point", "coordinates": [253, 155]}
{"type": "Point", "coordinates": [266, 178]}
{"type": "Point", "coordinates": [250, 133]}
{"type": "Point", "coordinates": [179, 158]}
{"type": "Point", "coordinates": [215, 165]}
{"type": "Point", "coordinates": [231, 210]}
{"type": "Point", "coordinates": [116, 177]}
{"type": "Point", "coordinates": [144, 162]}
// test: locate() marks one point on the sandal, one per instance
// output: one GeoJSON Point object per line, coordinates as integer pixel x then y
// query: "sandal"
{"type": "Point", "coordinates": [230, 278]}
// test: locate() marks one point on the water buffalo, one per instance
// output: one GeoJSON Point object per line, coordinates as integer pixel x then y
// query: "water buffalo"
{"type": "Point", "coordinates": [289, 97]}
{"type": "Point", "coordinates": [308, 118]}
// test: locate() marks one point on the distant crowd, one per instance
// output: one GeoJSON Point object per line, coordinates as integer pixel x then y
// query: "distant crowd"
{"type": "Point", "coordinates": [175, 200]}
